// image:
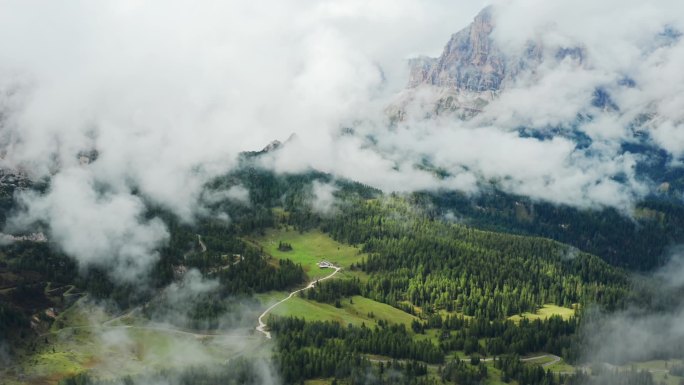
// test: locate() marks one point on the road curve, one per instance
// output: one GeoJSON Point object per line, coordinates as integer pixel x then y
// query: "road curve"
{"type": "Point", "coordinates": [554, 360]}
{"type": "Point", "coordinates": [262, 325]}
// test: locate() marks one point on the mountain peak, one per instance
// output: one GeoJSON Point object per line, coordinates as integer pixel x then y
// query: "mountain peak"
{"type": "Point", "coordinates": [473, 68]}
{"type": "Point", "coordinates": [470, 60]}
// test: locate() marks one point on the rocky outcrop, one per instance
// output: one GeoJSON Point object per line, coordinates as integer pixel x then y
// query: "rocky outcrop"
{"type": "Point", "coordinates": [276, 144]}
{"type": "Point", "coordinates": [473, 69]}
{"type": "Point", "coordinates": [471, 60]}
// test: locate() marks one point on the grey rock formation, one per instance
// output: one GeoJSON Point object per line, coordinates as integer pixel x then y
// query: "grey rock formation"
{"type": "Point", "coordinates": [472, 70]}
{"type": "Point", "coordinates": [473, 62]}
{"type": "Point", "coordinates": [470, 61]}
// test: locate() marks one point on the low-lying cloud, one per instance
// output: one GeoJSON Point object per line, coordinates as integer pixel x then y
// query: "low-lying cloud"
{"type": "Point", "coordinates": [103, 229]}
{"type": "Point", "coordinates": [652, 328]}
{"type": "Point", "coordinates": [162, 342]}
{"type": "Point", "coordinates": [323, 198]}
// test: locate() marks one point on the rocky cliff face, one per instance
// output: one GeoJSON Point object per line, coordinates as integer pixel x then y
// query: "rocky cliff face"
{"type": "Point", "coordinates": [473, 68]}
{"type": "Point", "coordinates": [471, 60]}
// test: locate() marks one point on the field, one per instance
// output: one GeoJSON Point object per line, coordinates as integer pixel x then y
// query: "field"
{"type": "Point", "coordinates": [361, 310]}
{"type": "Point", "coordinates": [545, 312]}
{"type": "Point", "coordinates": [429, 334]}
{"type": "Point", "coordinates": [84, 341]}
{"type": "Point", "coordinates": [308, 249]}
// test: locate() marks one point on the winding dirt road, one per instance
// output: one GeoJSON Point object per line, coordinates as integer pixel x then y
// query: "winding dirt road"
{"type": "Point", "coordinates": [262, 325]}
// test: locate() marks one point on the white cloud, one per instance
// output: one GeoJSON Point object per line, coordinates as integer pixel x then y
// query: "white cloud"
{"type": "Point", "coordinates": [101, 229]}
{"type": "Point", "coordinates": [323, 197]}
{"type": "Point", "coordinates": [170, 92]}
{"type": "Point", "coordinates": [653, 330]}
{"type": "Point", "coordinates": [237, 193]}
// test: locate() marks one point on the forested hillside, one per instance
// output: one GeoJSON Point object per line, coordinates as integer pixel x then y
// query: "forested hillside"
{"type": "Point", "coordinates": [440, 266]}
{"type": "Point", "coordinates": [637, 240]}
{"type": "Point", "coordinates": [474, 294]}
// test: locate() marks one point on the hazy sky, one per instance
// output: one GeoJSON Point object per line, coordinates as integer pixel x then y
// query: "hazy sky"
{"type": "Point", "coordinates": [169, 92]}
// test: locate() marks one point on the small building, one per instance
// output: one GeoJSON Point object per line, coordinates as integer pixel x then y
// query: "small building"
{"type": "Point", "coordinates": [325, 265]}
{"type": "Point", "coordinates": [51, 312]}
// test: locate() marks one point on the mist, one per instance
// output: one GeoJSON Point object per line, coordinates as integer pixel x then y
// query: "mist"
{"type": "Point", "coordinates": [652, 327]}
{"type": "Point", "coordinates": [162, 341]}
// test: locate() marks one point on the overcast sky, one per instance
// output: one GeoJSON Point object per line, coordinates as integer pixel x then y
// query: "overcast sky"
{"type": "Point", "coordinates": [169, 92]}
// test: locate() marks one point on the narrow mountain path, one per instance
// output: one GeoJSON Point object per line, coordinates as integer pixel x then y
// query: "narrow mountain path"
{"type": "Point", "coordinates": [202, 245]}
{"type": "Point", "coordinates": [554, 360]}
{"type": "Point", "coordinates": [262, 325]}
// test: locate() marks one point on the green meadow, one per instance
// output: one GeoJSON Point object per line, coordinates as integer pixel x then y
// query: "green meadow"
{"type": "Point", "coordinates": [545, 312]}
{"type": "Point", "coordinates": [359, 311]}
{"type": "Point", "coordinates": [308, 249]}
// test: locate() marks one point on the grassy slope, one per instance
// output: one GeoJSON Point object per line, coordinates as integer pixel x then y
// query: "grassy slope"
{"type": "Point", "coordinates": [80, 342]}
{"type": "Point", "coordinates": [355, 313]}
{"type": "Point", "coordinates": [309, 248]}
{"type": "Point", "coordinates": [659, 369]}
{"type": "Point", "coordinates": [545, 312]}
{"type": "Point", "coordinates": [561, 367]}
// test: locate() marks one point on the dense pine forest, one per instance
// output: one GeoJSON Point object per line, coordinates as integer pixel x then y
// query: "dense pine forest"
{"type": "Point", "coordinates": [635, 242]}
{"type": "Point", "coordinates": [436, 265]}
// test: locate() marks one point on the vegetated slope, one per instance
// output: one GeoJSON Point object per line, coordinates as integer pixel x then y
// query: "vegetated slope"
{"type": "Point", "coordinates": [639, 240]}
{"type": "Point", "coordinates": [436, 265]}
{"type": "Point", "coordinates": [461, 283]}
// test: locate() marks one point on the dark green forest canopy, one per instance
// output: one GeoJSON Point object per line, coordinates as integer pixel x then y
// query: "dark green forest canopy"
{"type": "Point", "coordinates": [639, 240]}
{"type": "Point", "coordinates": [438, 265]}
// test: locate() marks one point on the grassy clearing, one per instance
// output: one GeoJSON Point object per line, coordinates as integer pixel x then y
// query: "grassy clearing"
{"type": "Point", "coordinates": [82, 342]}
{"type": "Point", "coordinates": [78, 315]}
{"type": "Point", "coordinates": [659, 369]}
{"type": "Point", "coordinates": [111, 351]}
{"type": "Point", "coordinates": [561, 367]}
{"type": "Point", "coordinates": [309, 248]}
{"type": "Point", "coordinates": [355, 313]}
{"type": "Point", "coordinates": [539, 360]}
{"type": "Point", "coordinates": [430, 334]}
{"type": "Point", "coordinates": [57, 365]}
{"type": "Point", "coordinates": [545, 312]}
{"type": "Point", "coordinates": [319, 381]}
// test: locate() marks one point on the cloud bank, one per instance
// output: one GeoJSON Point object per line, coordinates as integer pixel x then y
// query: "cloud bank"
{"type": "Point", "coordinates": [168, 93]}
